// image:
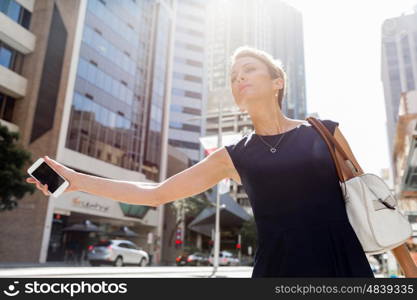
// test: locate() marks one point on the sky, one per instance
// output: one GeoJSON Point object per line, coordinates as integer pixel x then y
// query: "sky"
{"type": "Point", "coordinates": [342, 48]}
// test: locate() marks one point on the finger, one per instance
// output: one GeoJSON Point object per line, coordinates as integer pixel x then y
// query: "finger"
{"type": "Point", "coordinates": [46, 189]}
{"type": "Point", "coordinates": [48, 160]}
{"type": "Point", "coordinates": [39, 186]}
{"type": "Point", "coordinates": [30, 179]}
{"type": "Point", "coordinates": [51, 163]}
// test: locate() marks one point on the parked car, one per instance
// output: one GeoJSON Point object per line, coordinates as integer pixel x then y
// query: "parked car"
{"type": "Point", "coordinates": [194, 259]}
{"type": "Point", "coordinates": [118, 253]}
{"type": "Point", "coordinates": [374, 263]}
{"type": "Point", "coordinates": [247, 260]}
{"type": "Point", "coordinates": [226, 258]}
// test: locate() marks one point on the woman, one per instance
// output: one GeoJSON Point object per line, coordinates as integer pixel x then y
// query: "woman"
{"type": "Point", "coordinates": [287, 172]}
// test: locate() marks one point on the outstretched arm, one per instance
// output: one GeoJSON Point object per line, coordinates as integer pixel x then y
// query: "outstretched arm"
{"type": "Point", "coordinates": [189, 182]}
{"type": "Point", "coordinates": [196, 179]}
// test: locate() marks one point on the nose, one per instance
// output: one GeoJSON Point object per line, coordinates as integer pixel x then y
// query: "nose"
{"type": "Point", "coordinates": [239, 77]}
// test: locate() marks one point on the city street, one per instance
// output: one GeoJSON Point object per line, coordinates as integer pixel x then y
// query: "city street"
{"type": "Point", "coordinates": [136, 272]}
{"type": "Point", "coordinates": [113, 272]}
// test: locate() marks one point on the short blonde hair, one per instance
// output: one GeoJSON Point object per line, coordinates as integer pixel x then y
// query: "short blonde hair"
{"type": "Point", "coordinates": [275, 66]}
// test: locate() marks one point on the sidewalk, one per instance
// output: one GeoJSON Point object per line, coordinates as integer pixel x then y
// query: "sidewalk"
{"type": "Point", "coordinates": [13, 265]}
{"type": "Point", "coordinates": [5, 265]}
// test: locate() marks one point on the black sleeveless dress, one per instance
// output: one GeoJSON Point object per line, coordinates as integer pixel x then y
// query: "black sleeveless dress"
{"type": "Point", "coordinates": [301, 221]}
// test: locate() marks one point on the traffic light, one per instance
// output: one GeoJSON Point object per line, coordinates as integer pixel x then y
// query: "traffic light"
{"type": "Point", "coordinates": [178, 240]}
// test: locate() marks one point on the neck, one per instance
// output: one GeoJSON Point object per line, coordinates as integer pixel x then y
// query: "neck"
{"type": "Point", "coordinates": [268, 121]}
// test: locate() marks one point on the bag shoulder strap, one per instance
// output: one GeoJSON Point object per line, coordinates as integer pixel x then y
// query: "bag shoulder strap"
{"type": "Point", "coordinates": [345, 166]}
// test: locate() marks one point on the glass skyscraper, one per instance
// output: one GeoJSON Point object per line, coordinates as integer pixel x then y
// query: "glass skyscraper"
{"type": "Point", "coordinates": [109, 91]}
{"type": "Point", "coordinates": [189, 78]}
{"type": "Point", "coordinates": [270, 25]}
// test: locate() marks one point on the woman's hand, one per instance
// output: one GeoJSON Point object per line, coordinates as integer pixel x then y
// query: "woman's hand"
{"type": "Point", "coordinates": [402, 254]}
{"type": "Point", "coordinates": [69, 174]}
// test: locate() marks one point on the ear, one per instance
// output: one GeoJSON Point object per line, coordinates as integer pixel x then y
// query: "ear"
{"type": "Point", "coordinates": [278, 83]}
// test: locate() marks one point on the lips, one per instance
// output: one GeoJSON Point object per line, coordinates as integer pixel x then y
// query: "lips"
{"type": "Point", "coordinates": [243, 86]}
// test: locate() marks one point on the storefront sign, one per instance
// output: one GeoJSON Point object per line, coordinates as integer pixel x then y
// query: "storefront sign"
{"type": "Point", "coordinates": [89, 205]}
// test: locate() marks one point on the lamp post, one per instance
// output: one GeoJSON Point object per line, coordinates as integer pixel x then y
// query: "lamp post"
{"type": "Point", "coordinates": [217, 221]}
{"type": "Point", "coordinates": [165, 125]}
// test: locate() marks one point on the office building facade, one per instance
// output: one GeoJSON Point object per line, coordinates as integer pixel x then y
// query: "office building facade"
{"type": "Point", "coordinates": [398, 69]}
{"type": "Point", "coordinates": [189, 78]}
{"type": "Point", "coordinates": [89, 93]}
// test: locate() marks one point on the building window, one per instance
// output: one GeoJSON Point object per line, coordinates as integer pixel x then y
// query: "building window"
{"type": "Point", "coordinates": [194, 48]}
{"type": "Point", "coordinates": [192, 111]}
{"type": "Point", "coordinates": [188, 77]}
{"type": "Point", "coordinates": [10, 58]}
{"type": "Point", "coordinates": [25, 19]}
{"type": "Point", "coordinates": [6, 107]}
{"type": "Point", "coordinates": [119, 26]}
{"type": "Point", "coordinates": [190, 62]}
{"type": "Point", "coordinates": [193, 78]}
{"type": "Point", "coordinates": [182, 93]}
{"type": "Point", "coordinates": [194, 63]}
{"type": "Point", "coordinates": [175, 124]}
{"type": "Point", "coordinates": [190, 47]}
{"type": "Point", "coordinates": [6, 57]}
{"type": "Point", "coordinates": [16, 12]}
{"type": "Point", "coordinates": [184, 144]}
{"type": "Point", "coordinates": [193, 95]}
{"type": "Point", "coordinates": [192, 128]}
{"type": "Point", "coordinates": [94, 75]}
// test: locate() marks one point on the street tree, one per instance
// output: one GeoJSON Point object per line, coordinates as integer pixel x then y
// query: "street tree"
{"type": "Point", "coordinates": [13, 159]}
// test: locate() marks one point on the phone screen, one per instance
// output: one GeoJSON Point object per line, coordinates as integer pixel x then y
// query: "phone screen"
{"type": "Point", "coordinates": [46, 175]}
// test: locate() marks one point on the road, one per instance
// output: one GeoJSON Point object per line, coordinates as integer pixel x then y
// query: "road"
{"type": "Point", "coordinates": [120, 272]}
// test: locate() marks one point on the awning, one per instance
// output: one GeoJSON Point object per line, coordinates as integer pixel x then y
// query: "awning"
{"type": "Point", "coordinates": [232, 215]}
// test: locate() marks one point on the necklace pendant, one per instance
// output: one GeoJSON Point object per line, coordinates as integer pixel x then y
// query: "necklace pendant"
{"type": "Point", "coordinates": [273, 150]}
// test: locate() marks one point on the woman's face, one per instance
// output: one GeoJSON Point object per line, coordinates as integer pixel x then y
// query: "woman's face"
{"type": "Point", "coordinates": [252, 83]}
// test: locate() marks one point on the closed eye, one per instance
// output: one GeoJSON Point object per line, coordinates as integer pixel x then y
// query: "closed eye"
{"type": "Point", "coordinates": [246, 71]}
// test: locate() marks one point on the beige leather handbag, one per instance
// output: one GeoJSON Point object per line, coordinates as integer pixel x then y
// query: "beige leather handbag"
{"type": "Point", "coordinates": [371, 207]}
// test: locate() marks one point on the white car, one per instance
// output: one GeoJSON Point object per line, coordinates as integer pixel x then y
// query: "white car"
{"type": "Point", "coordinates": [374, 263]}
{"type": "Point", "coordinates": [118, 253]}
{"type": "Point", "coordinates": [226, 258]}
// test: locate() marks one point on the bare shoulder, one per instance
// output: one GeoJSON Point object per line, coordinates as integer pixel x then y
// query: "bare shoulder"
{"type": "Point", "coordinates": [297, 122]}
{"type": "Point", "coordinates": [222, 157]}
